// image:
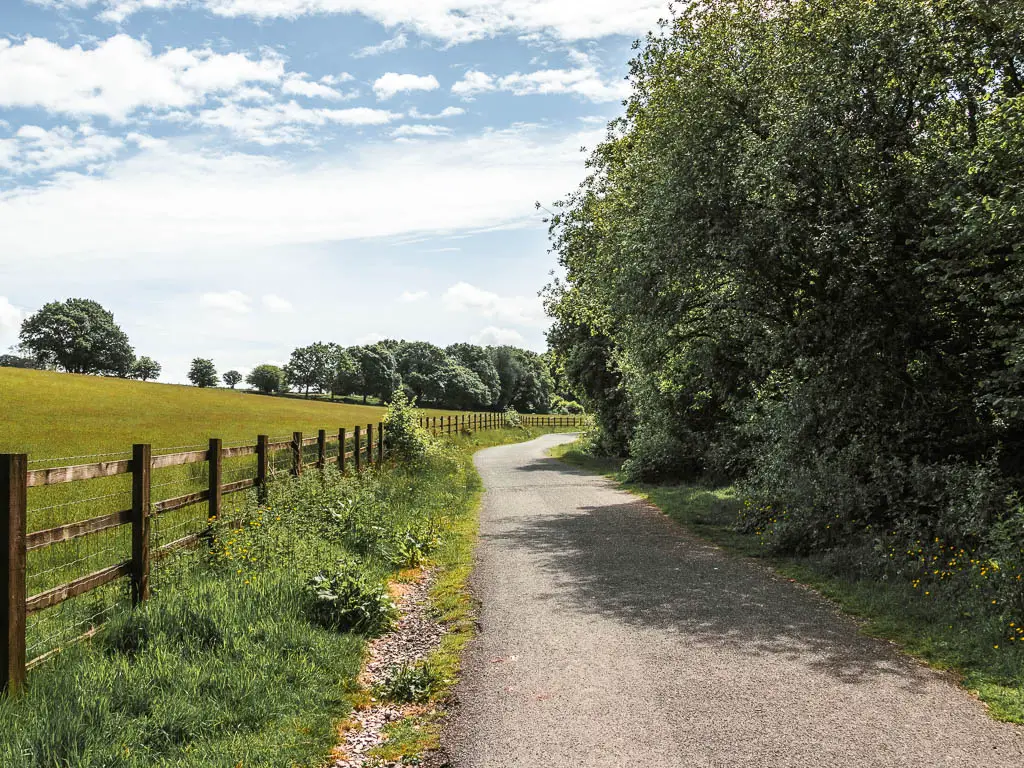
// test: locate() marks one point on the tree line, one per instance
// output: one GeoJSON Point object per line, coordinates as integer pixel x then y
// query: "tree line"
{"type": "Point", "coordinates": [461, 376]}
{"type": "Point", "coordinates": [798, 264]}
{"type": "Point", "coordinates": [81, 336]}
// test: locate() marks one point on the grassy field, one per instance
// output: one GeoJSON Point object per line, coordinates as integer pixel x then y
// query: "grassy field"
{"type": "Point", "coordinates": [934, 628]}
{"type": "Point", "coordinates": [50, 415]}
{"type": "Point", "coordinates": [225, 667]}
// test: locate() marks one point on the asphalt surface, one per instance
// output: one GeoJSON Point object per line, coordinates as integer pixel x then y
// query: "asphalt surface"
{"type": "Point", "coordinates": [611, 637]}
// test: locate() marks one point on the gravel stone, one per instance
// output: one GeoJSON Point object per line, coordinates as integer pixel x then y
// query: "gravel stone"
{"type": "Point", "coordinates": [415, 635]}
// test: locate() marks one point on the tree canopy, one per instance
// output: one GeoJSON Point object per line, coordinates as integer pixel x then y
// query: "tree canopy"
{"type": "Point", "coordinates": [78, 336]}
{"type": "Point", "coordinates": [203, 373]}
{"type": "Point", "coordinates": [798, 262]}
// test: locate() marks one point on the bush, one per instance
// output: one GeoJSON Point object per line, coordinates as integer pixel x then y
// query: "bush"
{"type": "Point", "coordinates": [561, 405]}
{"type": "Point", "coordinates": [402, 434]}
{"type": "Point", "coordinates": [348, 600]}
{"type": "Point", "coordinates": [512, 418]}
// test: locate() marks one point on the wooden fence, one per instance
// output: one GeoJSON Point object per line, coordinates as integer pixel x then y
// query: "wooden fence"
{"type": "Point", "coordinates": [18, 546]}
{"type": "Point", "coordinates": [441, 425]}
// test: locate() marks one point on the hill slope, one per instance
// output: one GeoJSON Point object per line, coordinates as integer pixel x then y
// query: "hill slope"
{"type": "Point", "coordinates": [50, 414]}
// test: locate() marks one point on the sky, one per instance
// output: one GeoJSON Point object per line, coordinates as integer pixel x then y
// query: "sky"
{"type": "Point", "coordinates": [235, 178]}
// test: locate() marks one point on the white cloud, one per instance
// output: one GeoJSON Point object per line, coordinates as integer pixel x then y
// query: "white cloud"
{"type": "Point", "coordinates": [411, 296]}
{"type": "Point", "coordinates": [287, 123]}
{"type": "Point", "coordinates": [492, 336]}
{"type": "Point", "coordinates": [10, 322]}
{"type": "Point", "coordinates": [444, 113]}
{"type": "Point", "coordinates": [34, 149]}
{"type": "Point", "coordinates": [584, 81]}
{"type": "Point", "coordinates": [229, 301]}
{"type": "Point", "coordinates": [298, 84]}
{"type": "Point", "coordinates": [472, 83]}
{"type": "Point", "coordinates": [463, 297]}
{"type": "Point", "coordinates": [342, 77]}
{"type": "Point", "coordinates": [121, 75]}
{"type": "Point", "coordinates": [241, 200]}
{"type": "Point", "coordinates": [276, 304]}
{"type": "Point", "coordinates": [391, 83]}
{"type": "Point", "coordinates": [396, 43]}
{"type": "Point", "coordinates": [453, 21]}
{"type": "Point", "coordinates": [421, 130]}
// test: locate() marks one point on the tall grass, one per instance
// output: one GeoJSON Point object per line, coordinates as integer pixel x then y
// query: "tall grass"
{"type": "Point", "coordinates": [224, 665]}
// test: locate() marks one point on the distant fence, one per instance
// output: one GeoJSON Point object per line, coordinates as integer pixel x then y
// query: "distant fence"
{"type": "Point", "coordinates": [440, 425]}
{"type": "Point", "coordinates": [111, 557]}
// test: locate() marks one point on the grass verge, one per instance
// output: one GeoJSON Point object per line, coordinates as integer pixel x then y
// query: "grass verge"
{"type": "Point", "coordinates": [928, 626]}
{"type": "Point", "coordinates": [418, 734]}
{"type": "Point", "coordinates": [228, 666]}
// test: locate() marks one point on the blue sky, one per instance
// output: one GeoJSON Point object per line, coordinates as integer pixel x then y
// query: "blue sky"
{"type": "Point", "coordinates": [233, 178]}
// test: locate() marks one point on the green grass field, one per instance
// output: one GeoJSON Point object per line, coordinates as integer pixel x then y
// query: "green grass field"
{"type": "Point", "coordinates": [51, 415]}
{"type": "Point", "coordinates": [60, 419]}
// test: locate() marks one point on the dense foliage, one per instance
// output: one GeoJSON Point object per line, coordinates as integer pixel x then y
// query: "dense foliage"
{"type": "Point", "coordinates": [797, 263]}
{"type": "Point", "coordinates": [203, 373]}
{"type": "Point", "coordinates": [461, 377]}
{"type": "Point", "coordinates": [78, 336]}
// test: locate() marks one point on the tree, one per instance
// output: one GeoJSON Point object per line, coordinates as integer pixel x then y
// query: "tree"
{"type": "Point", "coordinates": [479, 360]}
{"type": "Point", "coordinates": [796, 264]}
{"type": "Point", "coordinates": [463, 389]}
{"type": "Point", "coordinates": [312, 367]}
{"type": "Point", "coordinates": [348, 376]}
{"type": "Point", "coordinates": [379, 373]}
{"type": "Point", "coordinates": [78, 336]}
{"type": "Point", "coordinates": [266, 378]}
{"type": "Point", "coordinates": [423, 369]}
{"type": "Point", "coordinates": [202, 373]}
{"type": "Point", "coordinates": [145, 368]}
{"type": "Point", "coordinates": [231, 378]}
{"type": "Point", "coordinates": [15, 361]}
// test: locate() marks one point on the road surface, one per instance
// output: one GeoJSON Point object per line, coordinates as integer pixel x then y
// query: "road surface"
{"type": "Point", "coordinates": [612, 637]}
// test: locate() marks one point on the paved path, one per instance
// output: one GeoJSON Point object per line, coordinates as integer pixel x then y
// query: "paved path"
{"type": "Point", "coordinates": [611, 637]}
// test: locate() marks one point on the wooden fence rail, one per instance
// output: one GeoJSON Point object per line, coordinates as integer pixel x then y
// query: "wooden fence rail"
{"type": "Point", "coordinates": [16, 480]}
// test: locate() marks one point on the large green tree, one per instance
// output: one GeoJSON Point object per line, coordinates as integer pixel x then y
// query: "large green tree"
{"type": "Point", "coordinates": [799, 253]}
{"type": "Point", "coordinates": [78, 336]}
{"type": "Point", "coordinates": [379, 375]}
{"type": "Point", "coordinates": [203, 373]}
{"type": "Point", "coordinates": [266, 378]}
{"type": "Point", "coordinates": [312, 367]}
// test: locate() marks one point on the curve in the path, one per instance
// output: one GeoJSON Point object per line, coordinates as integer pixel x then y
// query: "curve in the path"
{"type": "Point", "coordinates": [611, 637]}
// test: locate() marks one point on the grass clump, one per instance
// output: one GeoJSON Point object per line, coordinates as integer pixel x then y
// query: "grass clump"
{"type": "Point", "coordinates": [410, 684]}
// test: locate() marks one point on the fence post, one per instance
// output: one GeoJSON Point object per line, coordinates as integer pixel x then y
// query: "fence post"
{"type": "Point", "coordinates": [369, 445]}
{"type": "Point", "coordinates": [380, 442]}
{"type": "Point", "coordinates": [296, 454]}
{"type": "Point", "coordinates": [262, 465]}
{"type": "Point", "coordinates": [321, 450]}
{"type": "Point", "coordinates": [449, 426]}
{"type": "Point", "coordinates": [357, 449]}
{"type": "Point", "coordinates": [142, 466]}
{"type": "Point", "coordinates": [341, 450]}
{"type": "Point", "coordinates": [216, 459]}
{"type": "Point", "coordinates": [13, 508]}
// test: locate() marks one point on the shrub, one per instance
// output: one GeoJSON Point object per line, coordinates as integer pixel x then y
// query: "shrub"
{"type": "Point", "coordinates": [349, 601]}
{"type": "Point", "coordinates": [512, 418]}
{"type": "Point", "coordinates": [402, 434]}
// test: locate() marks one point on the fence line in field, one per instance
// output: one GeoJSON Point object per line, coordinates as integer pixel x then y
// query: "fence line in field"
{"type": "Point", "coordinates": [21, 550]}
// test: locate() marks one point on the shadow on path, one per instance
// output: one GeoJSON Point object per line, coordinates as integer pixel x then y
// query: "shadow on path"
{"type": "Point", "coordinates": [630, 563]}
